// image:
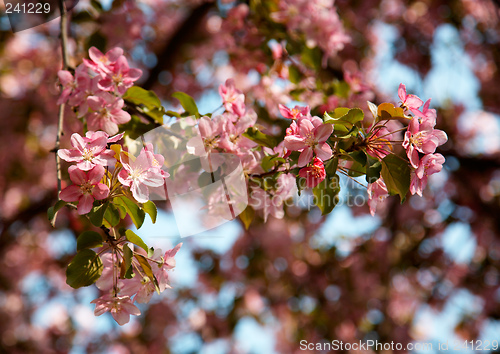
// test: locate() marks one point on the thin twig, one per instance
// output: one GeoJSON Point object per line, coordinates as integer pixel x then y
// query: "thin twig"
{"type": "Point", "coordinates": [65, 60]}
{"type": "Point", "coordinates": [341, 170]}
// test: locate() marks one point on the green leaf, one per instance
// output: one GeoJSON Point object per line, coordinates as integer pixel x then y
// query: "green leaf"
{"type": "Point", "coordinates": [172, 114]}
{"type": "Point", "coordinates": [188, 103]}
{"type": "Point", "coordinates": [96, 5]}
{"type": "Point", "coordinates": [331, 166]}
{"type": "Point", "coordinates": [356, 169]}
{"type": "Point", "coordinates": [260, 138]}
{"type": "Point", "coordinates": [396, 175]}
{"type": "Point", "coordinates": [52, 211]}
{"type": "Point", "coordinates": [301, 184]}
{"type": "Point", "coordinates": [344, 115]}
{"type": "Point", "coordinates": [269, 162]}
{"type": "Point", "coordinates": [388, 111]}
{"type": "Point", "coordinates": [139, 96]}
{"type": "Point", "coordinates": [342, 89]}
{"type": "Point", "coordinates": [84, 270]}
{"type": "Point", "coordinates": [294, 74]}
{"type": "Point", "coordinates": [150, 208]}
{"type": "Point", "coordinates": [111, 216]}
{"type": "Point", "coordinates": [151, 252]}
{"type": "Point", "coordinates": [135, 239]}
{"type": "Point", "coordinates": [128, 272]}
{"type": "Point", "coordinates": [88, 239]}
{"type": "Point", "coordinates": [326, 194]}
{"type": "Point", "coordinates": [132, 209]}
{"type": "Point", "coordinates": [96, 40]}
{"type": "Point", "coordinates": [150, 103]}
{"type": "Point", "coordinates": [294, 158]}
{"type": "Point", "coordinates": [312, 57]}
{"type": "Point", "coordinates": [96, 215]}
{"type": "Point", "coordinates": [359, 156]}
{"type": "Point", "coordinates": [146, 267]}
{"type": "Point", "coordinates": [373, 170]}
{"type": "Point", "coordinates": [344, 120]}
{"type": "Point", "coordinates": [247, 216]}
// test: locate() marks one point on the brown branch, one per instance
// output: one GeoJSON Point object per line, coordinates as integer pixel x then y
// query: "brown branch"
{"type": "Point", "coordinates": [65, 60]}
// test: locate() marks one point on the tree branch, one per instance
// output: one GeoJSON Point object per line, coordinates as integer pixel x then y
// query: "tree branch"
{"type": "Point", "coordinates": [65, 60]}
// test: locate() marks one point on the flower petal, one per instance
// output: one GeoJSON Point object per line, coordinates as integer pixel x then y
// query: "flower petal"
{"type": "Point", "coordinates": [305, 156]}
{"type": "Point", "coordinates": [295, 143]}
{"type": "Point", "coordinates": [70, 194]}
{"type": "Point", "coordinates": [140, 192]}
{"type": "Point", "coordinates": [95, 175]}
{"type": "Point", "coordinates": [77, 142]}
{"type": "Point", "coordinates": [85, 204]}
{"type": "Point", "coordinates": [324, 152]}
{"type": "Point", "coordinates": [76, 175]}
{"type": "Point", "coordinates": [323, 132]}
{"type": "Point", "coordinates": [69, 155]}
{"type": "Point", "coordinates": [100, 191]}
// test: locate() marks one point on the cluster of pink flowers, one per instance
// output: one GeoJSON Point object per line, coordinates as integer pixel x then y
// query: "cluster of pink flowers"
{"type": "Point", "coordinates": [142, 172]}
{"type": "Point", "coordinates": [420, 139]}
{"type": "Point", "coordinates": [96, 88]}
{"type": "Point", "coordinates": [308, 135]}
{"type": "Point", "coordinates": [323, 28]}
{"type": "Point", "coordinates": [121, 294]}
{"type": "Point", "coordinates": [271, 201]}
{"type": "Point", "coordinates": [223, 133]}
{"type": "Point", "coordinates": [91, 155]}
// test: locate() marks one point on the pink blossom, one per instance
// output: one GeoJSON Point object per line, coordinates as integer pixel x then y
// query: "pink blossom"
{"type": "Point", "coordinates": [377, 193]}
{"type": "Point", "coordinates": [323, 27]}
{"type": "Point", "coordinates": [233, 99]}
{"type": "Point", "coordinates": [356, 81]}
{"type": "Point", "coordinates": [156, 160]}
{"type": "Point", "coordinates": [121, 307]}
{"type": "Point", "coordinates": [85, 86]}
{"type": "Point", "coordinates": [276, 50]}
{"type": "Point", "coordinates": [88, 151]}
{"type": "Point", "coordinates": [232, 139]}
{"type": "Point", "coordinates": [105, 281]}
{"type": "Point", "coordinates": [68, 83]}
{"type": "Point", "coordinates": [102, 63]}
{"type": "Point", "coordinates": [410, 102]}
{"type": "Point", "coordinates": [142, 286]}
{"type": "Point", "coordinates": [271, 201]}
{"type": "Point", "coordinates": [422, 137]}
{"type": "Point", "coordinates": [209, 131]}
{"type": "Point", "coordinates": [311, 138]}
{"type": "Point", "coordinates": [86, 188]}
{"type": "Point", "coordinates": [90, 135]}
{"type": "Point", "coordinates": [166, 263]}
{"type": "Point", "coordinates": [429, 165]}
{"type": "Point", "coordinates": [294, 113]}
{"type": "Point", "coordinates": [139, 174]}
{"type": "Point", "coordinates": [107, 113]}
{"type": "Point", "coordinates": [429, 115]}
{"type": "Point", "coordinates": [120, 77]}
{"type": "Point", "coordinates": [293, 129]}
{"type": "Point", "coordinates": [313, 174]}
{"type": "Point", "coordinates": [279, 150]}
